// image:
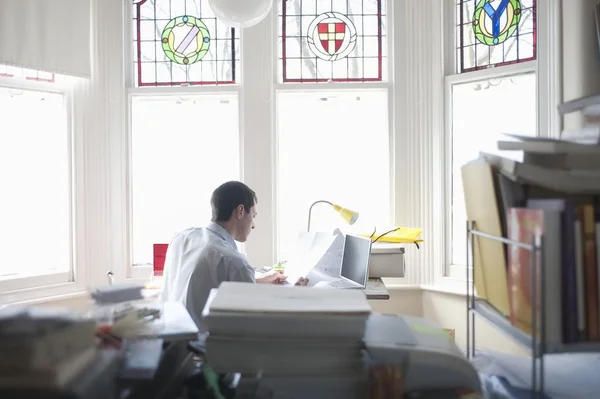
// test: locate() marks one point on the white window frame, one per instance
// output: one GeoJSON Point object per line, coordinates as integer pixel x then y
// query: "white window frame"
{"type": "Point", "coordinates": [97, 126]}
{"type": "Point", "coordinates": [386, 86]}
{"type": "Point", "coordinates": [450, 276]}
{"type": "Point", "coordinates": [255, 83]}
{"type": "Point", "coordinates": [143, 273]}
{"type": "Point", "coordinates": [29, 288]}
{"type": "Point", "coordinates": [416, 83]}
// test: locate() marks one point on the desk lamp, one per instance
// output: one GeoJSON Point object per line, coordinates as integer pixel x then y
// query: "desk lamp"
{"type": "Point", "coordinates": [349, 216]}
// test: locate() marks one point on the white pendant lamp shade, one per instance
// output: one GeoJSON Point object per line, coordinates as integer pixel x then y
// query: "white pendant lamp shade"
{"type": "Point", "coordinates": [240, 13]}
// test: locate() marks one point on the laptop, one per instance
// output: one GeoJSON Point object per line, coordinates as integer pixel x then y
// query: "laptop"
{"type": "Point", "coordinates": [355, 265]}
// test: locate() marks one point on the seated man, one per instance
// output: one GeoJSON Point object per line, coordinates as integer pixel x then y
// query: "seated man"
{"type": "Point", "coordinates": [199, 259]}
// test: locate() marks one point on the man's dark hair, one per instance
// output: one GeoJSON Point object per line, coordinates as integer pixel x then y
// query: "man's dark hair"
{"type": "Point", "coordinates": [228, 196]}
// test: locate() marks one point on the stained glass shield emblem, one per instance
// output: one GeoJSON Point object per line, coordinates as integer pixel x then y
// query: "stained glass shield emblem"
{"type": "Point", "coordinates": [331, 36]}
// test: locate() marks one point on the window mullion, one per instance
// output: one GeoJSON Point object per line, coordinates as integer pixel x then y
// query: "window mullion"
{"type": "Point", "coordinates": [257, 148]}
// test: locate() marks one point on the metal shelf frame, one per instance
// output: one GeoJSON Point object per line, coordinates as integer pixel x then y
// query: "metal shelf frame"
{"type": "Point", "coordinates": [479, 306]}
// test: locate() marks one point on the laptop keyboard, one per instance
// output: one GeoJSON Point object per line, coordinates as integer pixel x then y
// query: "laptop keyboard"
{"type": "Point", "coordinates": [343, 284]}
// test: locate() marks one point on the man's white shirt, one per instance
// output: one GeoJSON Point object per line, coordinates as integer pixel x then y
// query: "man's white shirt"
{"type": "Point", "coordinates": [198, 260]}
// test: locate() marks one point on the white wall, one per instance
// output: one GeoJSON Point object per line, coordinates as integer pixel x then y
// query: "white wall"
{"type": "Point", "coordinates": [403, 300]}
{"type": "Point", "coordinates": [580, 54]}
{"type": "Point", "coordinates": [449, 311]}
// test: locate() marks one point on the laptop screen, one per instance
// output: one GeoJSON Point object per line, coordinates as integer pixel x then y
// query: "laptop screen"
{"type": "Point", "coordinates": [355, 263]}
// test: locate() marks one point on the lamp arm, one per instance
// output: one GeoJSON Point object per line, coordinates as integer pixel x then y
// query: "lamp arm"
{"type": "Point", "coordinates": [310, 210]}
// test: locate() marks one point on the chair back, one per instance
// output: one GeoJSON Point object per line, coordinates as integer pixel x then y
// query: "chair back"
{"type": "Point", "coordinates": [160, 252]}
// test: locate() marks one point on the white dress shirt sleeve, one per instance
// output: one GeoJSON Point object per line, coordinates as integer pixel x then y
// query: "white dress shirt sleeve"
{"type": "Point", "coordinates": [241, 271]}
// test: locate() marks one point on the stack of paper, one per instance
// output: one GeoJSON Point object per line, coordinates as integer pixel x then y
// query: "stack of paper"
{"type": "Point", "coordinates": [43, 347]}
{"type": "Point", "coordinates": [318, 257]}
{"type": "Point", "coordinates": [286, 331]}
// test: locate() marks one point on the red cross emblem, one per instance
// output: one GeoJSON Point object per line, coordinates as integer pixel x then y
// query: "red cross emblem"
{"type": "Point", "coordinates": [331, 36]}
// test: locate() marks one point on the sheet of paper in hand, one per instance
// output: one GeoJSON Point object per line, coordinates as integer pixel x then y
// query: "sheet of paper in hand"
{"type": "Point", "coordinates": [311, 248]}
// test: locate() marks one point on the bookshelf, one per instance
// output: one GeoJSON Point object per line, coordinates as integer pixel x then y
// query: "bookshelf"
{"type": "Point", "coordinates": [538, 345]}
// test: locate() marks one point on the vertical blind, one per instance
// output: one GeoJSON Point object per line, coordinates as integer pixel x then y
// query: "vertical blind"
{"type": "Point", "coordinates": [47, 35]}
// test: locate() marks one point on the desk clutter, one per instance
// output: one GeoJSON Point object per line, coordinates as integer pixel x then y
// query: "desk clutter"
{"type": "Point", "coordinates": [50, 353]}
{"type": "Point", "coordinates": [121, 347]}
{"type": "Point", "coordinates": [299, 342]}
{"type": "Point", "coordinates": [276, 342]}
{"type": "Point", "coordinates": [285, 330]}
{"type": "Point", "coordinates": [43, 347]}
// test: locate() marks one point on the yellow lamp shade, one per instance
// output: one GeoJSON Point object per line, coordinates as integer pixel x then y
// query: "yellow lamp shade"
{"type": "Point", "coordinates": [349, 216]}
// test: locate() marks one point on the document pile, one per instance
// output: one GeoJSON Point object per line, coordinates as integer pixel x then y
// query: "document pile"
{"type": "Point", "coordinates": [285, 331]}
{"type": "Point", "coordinates": [317, 257]}
{"type": "Point", "coordinates": [43, 348]}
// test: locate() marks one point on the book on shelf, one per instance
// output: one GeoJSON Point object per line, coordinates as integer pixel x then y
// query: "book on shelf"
{"type": "Point", "coordinates": [589, 246]}
{"type": "Point", "coordinates": [570, 268]}
{"type": "Point", "coordinates": [566, 266]}
{"type": "Point", "coordinates": [523, 224]}
{"type": "Point", "coordinates": [563, 205]}
{"type": "Point", "coordinates": [489, 257]}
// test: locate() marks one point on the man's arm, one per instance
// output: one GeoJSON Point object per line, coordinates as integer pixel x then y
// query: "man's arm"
{"type": "Point", "coordinates": [241, 271]}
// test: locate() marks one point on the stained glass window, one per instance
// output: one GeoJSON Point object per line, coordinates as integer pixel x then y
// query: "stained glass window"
{"type": "Point", "coordinates": [494, 32]}
{"type": "Point", "coordinates": [24, 73]}
{"type": "Point", "coordinates": [180, 42]}
{"type": "Point", "coordinates": [332, 41]}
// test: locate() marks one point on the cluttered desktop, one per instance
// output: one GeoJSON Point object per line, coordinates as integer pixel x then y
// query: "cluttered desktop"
{"type": "Point", "coordinates": [131, 344]}
{"type": "Point", "coordinates": [263, 340]}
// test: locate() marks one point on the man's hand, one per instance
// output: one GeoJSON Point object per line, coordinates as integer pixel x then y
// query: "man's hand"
{"type": "Point", "coordinates": [272, 277]}
{"type": "Point", "coordinates": [302, 281]}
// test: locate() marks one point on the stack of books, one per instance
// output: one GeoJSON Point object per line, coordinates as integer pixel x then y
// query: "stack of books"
{"type": "Point", "coordinates": [43, 348]}
{"type": "Point", "coordinates": [286, 331]}
{"type": "Point", "coordinates": [585, 111]}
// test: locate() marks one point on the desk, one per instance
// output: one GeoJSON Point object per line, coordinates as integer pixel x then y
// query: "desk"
{"type": "Point", "coordinates": [177, 328]}
{"type": "Point", "coordinates": [174, 325]}
{"type": "Point", "coordinates": [376, 289]}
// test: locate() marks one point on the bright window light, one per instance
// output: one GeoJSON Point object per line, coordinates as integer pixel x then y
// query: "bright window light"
{"type": "Point", "coordinates": [332, 146]}
{"type": "Point", "coordinates": [481, 112]}
{"type": "Point", "coordinates": [35, 215]}
{"type": "Point", "coordinates": [182, 149]}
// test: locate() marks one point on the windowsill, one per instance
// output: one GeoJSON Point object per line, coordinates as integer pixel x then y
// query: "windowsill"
{"type": "Point", "coordinates": [402, 287]}
{"type": "Point", "coordinates": [447, 285]}
{"type": "Point", "coordinates": [54, 298]}
{"type": "Point", "coordinates": [43, 294]}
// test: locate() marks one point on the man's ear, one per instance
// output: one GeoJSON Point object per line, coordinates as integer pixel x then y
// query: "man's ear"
{"type": "Point", "coordinates": [240, 211]}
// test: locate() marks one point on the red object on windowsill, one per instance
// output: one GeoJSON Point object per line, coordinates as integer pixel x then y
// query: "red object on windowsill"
{"type": "Point", "coordinates": [160, 252]}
